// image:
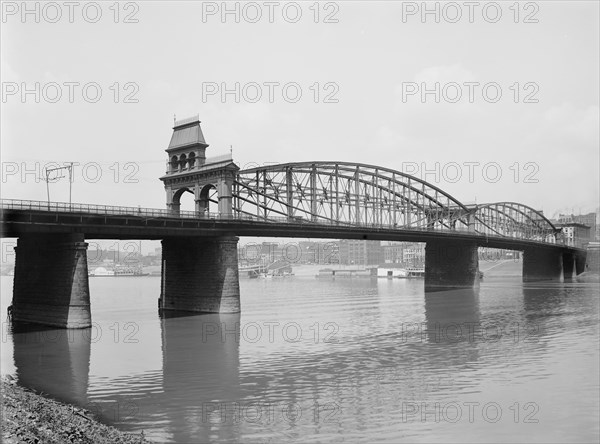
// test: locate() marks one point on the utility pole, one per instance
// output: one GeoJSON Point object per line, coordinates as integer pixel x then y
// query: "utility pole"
{"type": "Point", "coordinates": [66, 167]}
{"type": "Point", "coordinates": [48, 189]}
{"type": "Point", "coordinates": [70, 182]}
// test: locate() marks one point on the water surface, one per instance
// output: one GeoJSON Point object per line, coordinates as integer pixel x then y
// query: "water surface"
{"type": "Point", "coordinates": [323, 360]}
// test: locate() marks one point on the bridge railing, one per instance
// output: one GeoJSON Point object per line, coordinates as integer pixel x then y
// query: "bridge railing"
{"type": "Point", "coordinates": [109, 210]}
{"type": "Point", "coordinates": [149, 213]}
{"type": "Point", "coordinates": [113, 210]}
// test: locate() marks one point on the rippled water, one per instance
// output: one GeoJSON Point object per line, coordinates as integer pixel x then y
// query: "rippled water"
{"type": "Point", "coordinates": [320, 360]}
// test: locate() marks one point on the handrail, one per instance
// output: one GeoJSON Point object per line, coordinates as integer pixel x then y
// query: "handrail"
{"type": "Point", "coordinates": [113, 210]}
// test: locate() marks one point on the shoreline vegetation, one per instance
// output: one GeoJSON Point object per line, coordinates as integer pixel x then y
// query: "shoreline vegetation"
{"type": "Point", "coordinates": [29, 417]}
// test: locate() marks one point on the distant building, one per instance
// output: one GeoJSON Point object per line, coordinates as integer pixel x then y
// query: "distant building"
{"type": "Point", "coordinates": [393, 252]}
{"type": "Point", "coordinates": [309, 252]}
{"type": "Point", "coordinates": [575, 234]}
{"type": "Point", "coordinates": [589, 219]}
{"type": "Point", "coordinates": [303, 252]}
{"type": "Point", "coordinates": [414, 254]}
{"type": "Point", "coordinates": [360, 252]}
{"type": "Point", "coordinates": [592, 263]}
{"type": "Point", "coordinates": [496, 254]}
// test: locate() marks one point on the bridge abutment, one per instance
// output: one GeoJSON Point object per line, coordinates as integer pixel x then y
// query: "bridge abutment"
{"type": "Point", "coordinates": [543, 264]}
{"type": "Point", "coordinates": [450, 265]}
{"type": "Point", "coordinates": [200, 275]}
{"type": "Point", "coordinates": [51, 281]}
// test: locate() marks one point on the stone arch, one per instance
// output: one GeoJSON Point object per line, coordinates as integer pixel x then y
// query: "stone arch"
{"type": "Point", "coordinates": [174, 166]}
{"type": "Point", "coordinates": [191, 160]}
{"type": "Point", "coordinates": [208, 199]}
{"type": "Point", "coordinates": [182, 162]}
{"type": "Point", "coordinates": [176, 199]}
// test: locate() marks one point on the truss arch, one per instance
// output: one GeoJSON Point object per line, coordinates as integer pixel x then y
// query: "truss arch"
{"type": "Point", "coordinates": [346, 193]}
{"type": "Point", "coordinates": [515, 220]}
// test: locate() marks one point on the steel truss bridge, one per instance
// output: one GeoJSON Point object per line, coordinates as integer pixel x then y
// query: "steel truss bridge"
{"type": "Point", "coordinates": [305, 199]}
{"type": "Point", "coordinates": [336, 200]}
{"type": "Point", "coordinates": [372, 197]}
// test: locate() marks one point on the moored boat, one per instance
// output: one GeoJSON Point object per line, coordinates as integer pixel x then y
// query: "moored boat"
{"type": "Point", "coordinates": [118, 271]}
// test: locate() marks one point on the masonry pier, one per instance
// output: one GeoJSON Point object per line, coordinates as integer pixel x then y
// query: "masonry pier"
{"type": "Point", "coordinates": [51, 281]}
{"type": "Point", "coordinates": [568, 265]}
{"type": "Point", "coordinates": [544, 264]}
{"type": "Point", "coordinates": [584, 261]}
{"type": "Point", "coordinates": [450, 264]}
{"type": "Point", "coordinates": [200, 275]}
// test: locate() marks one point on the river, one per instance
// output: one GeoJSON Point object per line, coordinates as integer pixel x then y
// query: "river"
{"type": "Point", "coordinates": [330, 360]}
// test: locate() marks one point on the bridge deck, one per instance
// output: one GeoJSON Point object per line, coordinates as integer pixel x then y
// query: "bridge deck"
{"type": "Point", "coordinates": [112, 222]}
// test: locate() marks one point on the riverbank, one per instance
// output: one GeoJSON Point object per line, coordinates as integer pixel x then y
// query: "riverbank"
{"type": "Point", "coordinates": [28, 417]}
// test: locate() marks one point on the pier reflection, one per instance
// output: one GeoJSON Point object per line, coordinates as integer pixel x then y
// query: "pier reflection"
{"type": "Point", "coordinates": [53, 361]}
{"type": "Point", "coordinates": [200, 375]}
{"type": "Point", "coordinates": [453, 320]}
{"type": "Point", "coordinates": [542, 300]}
{"type": "Point", "coordinates": [547, 307]}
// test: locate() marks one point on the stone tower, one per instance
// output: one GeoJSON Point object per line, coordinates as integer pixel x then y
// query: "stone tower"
{"type": "Point", "coordinates": [188, 170]}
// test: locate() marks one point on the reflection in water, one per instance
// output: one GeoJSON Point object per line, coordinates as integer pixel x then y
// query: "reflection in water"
{"type": "Point", "coordinates": [541, 300]}
{"type": "Point", "coordinates": [550, 308]}
{"type": "Point", "coordinates": [53, 361]}
{"type": "Point", "coordinates": [200, 373]}
{"type": "Point", "coordinates": [453, 323]}
{"type": "Point", "coordinates": [367, 349]}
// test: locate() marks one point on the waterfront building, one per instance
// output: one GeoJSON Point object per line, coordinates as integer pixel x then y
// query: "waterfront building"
{"type": "Point", "coordinates": [360, 252]}
{"type": "Point", "coordinates": [589, 219]}
{"type": "Point", "coordinates": [575, 234]}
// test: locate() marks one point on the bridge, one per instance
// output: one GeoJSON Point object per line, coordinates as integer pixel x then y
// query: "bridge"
{"type": "Point", "coordinates": [316, 199]}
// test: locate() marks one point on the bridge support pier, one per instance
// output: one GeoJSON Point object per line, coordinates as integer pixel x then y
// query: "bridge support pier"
{"type": "Point", "coordinates": [543, 264]}
{"type": "Point", "coordinates": [585, 263]}
{"type": "Point", "coordinates": [200, 275]}
{"type": "Point", "coordinates": [568, 265]}
{"type": "Point", "coordinates": [450, 265]}
{"type": "Point", "coordinates": [51, 281]}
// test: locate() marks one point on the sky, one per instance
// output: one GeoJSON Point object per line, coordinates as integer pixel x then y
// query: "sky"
{"type": "Point", "coordinates": [495, 103]}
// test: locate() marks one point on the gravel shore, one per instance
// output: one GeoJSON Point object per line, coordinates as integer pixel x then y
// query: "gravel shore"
{"type": "Point", "coordinates": [28, 417]}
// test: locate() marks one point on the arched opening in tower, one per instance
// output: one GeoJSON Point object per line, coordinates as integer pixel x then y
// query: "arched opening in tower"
{"type": "Point", "coordinates": [183, 200]}
{"type": "Point", "coordinates": [209, 200]}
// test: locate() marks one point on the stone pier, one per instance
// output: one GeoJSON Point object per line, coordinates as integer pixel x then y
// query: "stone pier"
{"type": "Point", "coordinates": [200, 275]}
{"type": "Point", "coordinates": [543, 264]}
{"type": "Point", "coordinates": [568, 265]}
{"type": "Point", "coordinates": [450, 265]}
{"type": "Point", "coordinates": [51, 281]}
{"type": "Point", "coordinates": [587, 261]}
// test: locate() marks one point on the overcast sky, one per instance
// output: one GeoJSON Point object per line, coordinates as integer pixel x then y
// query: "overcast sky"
{"type": "Point", "coordinates": [367, 59]}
